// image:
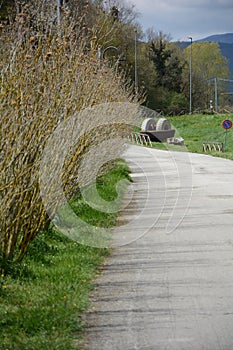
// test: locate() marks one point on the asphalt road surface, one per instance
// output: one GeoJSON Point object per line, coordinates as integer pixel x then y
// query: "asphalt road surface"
{"type": "Point", "coordinates": [168, 284]}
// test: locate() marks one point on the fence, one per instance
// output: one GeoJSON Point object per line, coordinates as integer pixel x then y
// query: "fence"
{"type": "Point", "coordinates": [212, 146]}
{"type": "Point", "coordinates": [140, 139]}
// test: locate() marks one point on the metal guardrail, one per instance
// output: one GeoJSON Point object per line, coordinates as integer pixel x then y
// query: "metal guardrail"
{"type": "Point", "coordinates": [212, 146]}
{"type": "Point", "coordinates": [139, 139]}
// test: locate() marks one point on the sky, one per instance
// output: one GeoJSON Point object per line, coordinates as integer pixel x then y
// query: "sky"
{"type": "Point", "coordinates": [186, 18]}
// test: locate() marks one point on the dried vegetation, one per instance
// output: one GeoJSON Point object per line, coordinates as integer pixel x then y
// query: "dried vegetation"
{"type": "Point", "coordinates": [48, 75]}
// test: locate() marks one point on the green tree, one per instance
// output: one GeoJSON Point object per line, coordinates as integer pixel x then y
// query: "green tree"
{"type": "Point", "coordinates": [207, 63]}
{"type": "Point", "coordinates": [159, 56]}
{"type": "Point", "coordinates": [164, 84]}
{"type": "Point", "coordinates": [174, 68]}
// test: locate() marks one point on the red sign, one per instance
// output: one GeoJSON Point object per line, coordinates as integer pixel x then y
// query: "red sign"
{"type": "Point", "coordinates": [227, 124]}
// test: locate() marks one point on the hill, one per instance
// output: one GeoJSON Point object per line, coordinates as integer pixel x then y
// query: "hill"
{"type": "Point", "coordinates": [219, 38]}
{"type": "Point", "coordinates": [225, 42]}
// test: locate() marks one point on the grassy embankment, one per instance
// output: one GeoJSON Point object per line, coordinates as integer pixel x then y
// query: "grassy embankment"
{"type": "Point", "coordinates": [42, 298]}
{"type": "Point", "coordinates": [196, 129]}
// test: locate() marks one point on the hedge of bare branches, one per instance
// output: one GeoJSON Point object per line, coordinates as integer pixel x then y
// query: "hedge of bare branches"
{"type": "Point", "coordinates": [46, 78]}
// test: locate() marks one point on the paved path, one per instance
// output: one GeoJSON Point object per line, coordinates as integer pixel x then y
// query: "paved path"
{"type": "Point", "coordinates": [169, 282]}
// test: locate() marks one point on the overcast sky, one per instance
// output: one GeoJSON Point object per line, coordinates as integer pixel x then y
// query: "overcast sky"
{"type": "Point", "coordinates": [183, 18]}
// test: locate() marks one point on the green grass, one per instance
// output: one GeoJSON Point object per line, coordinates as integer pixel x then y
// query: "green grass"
{"type": "Point", "coordinates": [107, 190]}
{"type": "Point", "coordinates": [42, 299]}
{"type": "Point", "coordinates": [196, 129]}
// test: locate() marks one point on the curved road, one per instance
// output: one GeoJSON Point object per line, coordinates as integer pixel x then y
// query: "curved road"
{"type": "Point", "coordinates": [169, 283]}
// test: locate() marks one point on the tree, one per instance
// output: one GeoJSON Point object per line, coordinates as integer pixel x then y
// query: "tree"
{"type": "Point", "coordinates": [159, 56]}
{"type": "Point", "coordinates": [207, 63]}
{"type": "Point", "coordinates": [164, 84]}
{"type": "Point", "coordinates": [174, 68]}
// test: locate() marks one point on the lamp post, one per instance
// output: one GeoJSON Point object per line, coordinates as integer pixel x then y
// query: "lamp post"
{"type": "Point", "coordinates": [101, 53]}
{"type": "Point", "coordinates": [59, 12]}
{"type": "Point", "coordinates": [190, 76]}
{"type": "Point", "coordinates": [111, 47]}
{"type": "Point", "coordinates": [136, 61]}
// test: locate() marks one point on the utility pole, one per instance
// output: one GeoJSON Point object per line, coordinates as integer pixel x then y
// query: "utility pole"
{"type": "Point", "coordinates": [136, 61]}
{"type": "Point", "coordinates": [216, 95]}
{"type": "Point", "coordinates": [190, 76]}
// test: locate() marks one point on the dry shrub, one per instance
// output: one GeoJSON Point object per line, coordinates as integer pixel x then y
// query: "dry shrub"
{"type": "Point", "coordinates": [45, 80]}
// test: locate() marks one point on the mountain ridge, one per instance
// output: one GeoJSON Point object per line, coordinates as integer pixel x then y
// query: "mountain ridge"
{"type": "Point", "coordinates": [226, 38]}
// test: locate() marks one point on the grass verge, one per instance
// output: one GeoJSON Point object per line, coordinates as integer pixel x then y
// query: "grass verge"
{"type": "Point", "coordinates": [198, 128]}
{"type": "Point", "coordinates": [42, 298]}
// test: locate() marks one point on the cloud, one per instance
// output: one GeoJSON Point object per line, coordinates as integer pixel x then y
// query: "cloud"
{"type": "Point", "coordinates": [180, 18]}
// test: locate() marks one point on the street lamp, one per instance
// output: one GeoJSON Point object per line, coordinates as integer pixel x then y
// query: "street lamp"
{"type": "Point", "coordinates": [59, 12]}
{"type": "Point", "coordinates": [101, 54]}
{"type": "Point", "coordinates": [190, 76]}
{"type": "Point", "coordinates": [111, 47]}
{"type": "Point", "coordinates": [136, 61]}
